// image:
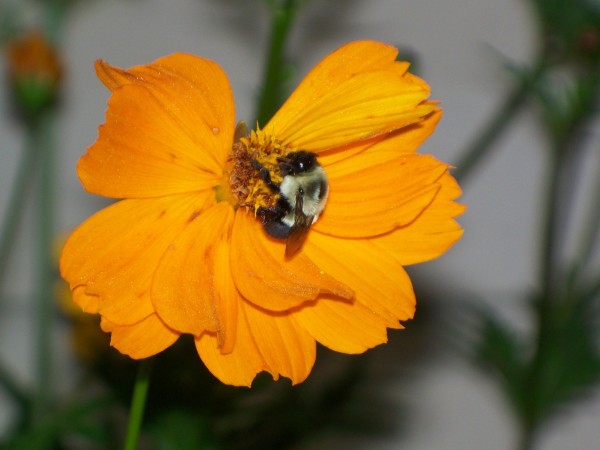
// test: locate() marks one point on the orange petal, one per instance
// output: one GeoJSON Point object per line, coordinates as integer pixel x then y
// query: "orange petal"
{"type": "Point", "coordinates": [168, 130]}
{"type": "Point", "coordinates": [432, 233]}
{"type": "Point", "coordinates": [379, 282]}
{"type": "Point", "coordinates": [88, 303]}
{"type": "Point", "coordinates": [286, 348]}
{"type": "Point", "coordinates": [115, 253]}
{"type": "Point", "coordinates": [113, 77]}
{"type": "Point", "coordinates": [227, 296]}
{"type": "Point", "coordinates": [355, 93]}
{"type": "Point", "coordinates": [404, 140]}
{"type": "Point", "coordinates": [375, 192]}
{"type": "Point", "coordinates": [266, 278]}
{"type": "Point", "coordinates": [350, 59]}
{"type": "Point", "coordinates": [183, 289]}
{"type": "Point", "coordinates": [342, 326]}
{"type": "Point", "coordinates": [265, 341]}
{"type": "Point", "coordinates": [239, 366]}
{"type": "Point", "coordinates": [141, 340]}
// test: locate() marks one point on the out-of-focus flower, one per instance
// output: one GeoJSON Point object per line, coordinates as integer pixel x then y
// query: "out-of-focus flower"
{"type": "Point", "coordinates": [185, 251]}
{"type": "Point", "coordinates": [34, 70]}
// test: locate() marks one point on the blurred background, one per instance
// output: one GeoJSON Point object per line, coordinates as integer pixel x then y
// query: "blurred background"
{"type": "Point", "coordinates": [460, 375]}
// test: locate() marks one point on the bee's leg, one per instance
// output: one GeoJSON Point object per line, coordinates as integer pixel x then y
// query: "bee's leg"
{"type": "Point", "coordinates": [271, 219]}
{"type": "Point", "coordinates": [264, 175]}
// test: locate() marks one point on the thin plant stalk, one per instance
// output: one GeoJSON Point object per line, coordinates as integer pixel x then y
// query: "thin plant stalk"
{"type": "Point", "coordinates": [589, 234]}
{"type": "Point", "coordinates": [18, 197]}
{"type": "Point", "coordinates": [138, 403]}
{"type": "Point", "coordinates": [530, 418]}
{"type": "Point", "coordinates": [270, 100]}
{"type": "Point", "coordinates": [482, 144]}
{"type": "Point", "coordinates": [41, 133]}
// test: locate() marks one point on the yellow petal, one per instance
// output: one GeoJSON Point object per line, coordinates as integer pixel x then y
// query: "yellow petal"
{"type": "Point", "coordinates": [356, 93]}
{"type": "Point", "coordinates": [183, 288]}
{"type": "Point", "coordinates": [88, 303]}
{"type": "Point", "coordinates": [346, 327]}
{"type": "Point", "coordinates": [115, 253]}
{"type": "Point", "coordinates": [375, 192]}
{"type": "Point", "coordinates": [239, 366]}
{"type": "Point", "coordinates": [379, 282]}
{"type": "Point", "coordinates": [271, 342]}
{"type": "Point", "coordinates": [113, 77]}
{"type": "Point", "coordinates": [339, 66]}
{"type": "Point", "coordinates": [168, 130]}
{"type": "Point", "coordinates": [141, 340]}
{"type": "Point", "coordinates": [266, 278]}
{"type": "Point", "coordinates": [227, 296]}
{"type": "Point", "coordinates": [432, 233]}
{"type": "Point", "coordinates": [287, 349]}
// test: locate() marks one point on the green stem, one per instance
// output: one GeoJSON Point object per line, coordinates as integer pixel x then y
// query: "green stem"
{"type": "Point", "coordinates": [547, 261]}
{"type": "Point", "coordinates": [588, 236]}
{"type": "Point", "coordinates": [483, 142]}
{"type": "Point", "coordinates": [9, 382]}
{"type": "Point", "coordinates": [138, 403]}
{"type": "Point", "coordinates": [270, 100]}
{"type": "Point", "coordinates": [55, 10]}
{"type": "Point", "coordinates": [14, 213]}
{"type": "Point", "coordinates": [41, 132]}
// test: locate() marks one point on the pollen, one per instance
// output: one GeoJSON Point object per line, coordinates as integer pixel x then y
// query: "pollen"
{"type": "Point", "coordinates": [248, 154]}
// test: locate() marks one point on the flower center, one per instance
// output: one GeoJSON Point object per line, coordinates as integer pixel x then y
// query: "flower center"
{"type": "Point", "coordinates": [242, 181]}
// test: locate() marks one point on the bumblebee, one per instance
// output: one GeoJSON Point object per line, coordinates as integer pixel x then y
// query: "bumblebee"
{"type": "Point", "coordinates": [302, 196]}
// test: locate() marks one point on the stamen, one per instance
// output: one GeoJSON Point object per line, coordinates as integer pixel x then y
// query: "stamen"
{"type": "Point", "coordinates": [248, 156]}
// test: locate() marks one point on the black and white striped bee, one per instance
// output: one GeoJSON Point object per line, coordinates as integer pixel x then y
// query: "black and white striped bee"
{"type": "Point", "coordinates": [302, 197]}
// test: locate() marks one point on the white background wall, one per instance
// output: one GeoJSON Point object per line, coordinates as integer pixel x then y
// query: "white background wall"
{"type": "Point", "coordinates": [453, 406]}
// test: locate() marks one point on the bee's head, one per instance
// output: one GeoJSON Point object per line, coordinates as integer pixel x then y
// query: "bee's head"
{"type": "Point", "coordinates": [295, 163]}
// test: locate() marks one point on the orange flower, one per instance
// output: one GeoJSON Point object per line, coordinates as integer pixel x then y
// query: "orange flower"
{"type": "Point", "coordinates": [185, 251]}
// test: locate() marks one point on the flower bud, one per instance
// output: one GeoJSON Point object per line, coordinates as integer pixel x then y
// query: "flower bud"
{"type": "Point", "coordinates": [34, 71]}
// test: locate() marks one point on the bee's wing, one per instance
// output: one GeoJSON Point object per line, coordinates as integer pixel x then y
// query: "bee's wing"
{"type": "Point", "coordinates": [299, 230]}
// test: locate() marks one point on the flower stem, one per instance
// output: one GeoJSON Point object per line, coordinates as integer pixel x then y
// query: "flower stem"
{"type": "Point", "coordinates": [271, 93]}
{"type": "Point", "coordinates": [483, 142]}
{"type": "Point", "coordinates": [40, 132]}
{"type": "Point", "coordinates": [14, 213]}
{"type": "Point", "coordinates": [138, 403]}
{"type": "Point", "coordinates": [588, 238]}
{"type": "Point", "coordinates": [532, 412]}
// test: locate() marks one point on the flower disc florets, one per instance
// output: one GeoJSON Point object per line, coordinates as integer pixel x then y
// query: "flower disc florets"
{"type": "Point", "coordinates": [256, 150]}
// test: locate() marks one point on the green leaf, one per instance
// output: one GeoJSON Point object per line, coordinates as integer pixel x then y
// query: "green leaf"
{"type": "Point", "coordinates": [499, 350]}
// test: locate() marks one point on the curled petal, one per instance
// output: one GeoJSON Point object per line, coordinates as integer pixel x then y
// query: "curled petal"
{"type": "Point", "coordinates": [346, 327]}
{"type": "Point", "coordinates": [355, 93]}
{"type": "Point", "coordinates": [432, 233]}
{"type": "Point", "coordinates": [121, 243]}
{"type": "Point", "coordinates": [239, 366]}
{"type": "Point", "coordinates": [184, 293]}
{"type": "Point", "coordinates": [140, 340]}
{"type": "Point", "coordinates": [266, 341]}
{"type": "Point", "coordinates": [379, 282]}
{"type": "Point", "coordinates": [227, 296]}
{"type": "Point", "coordinates": [266, 278]}
{"type": "Point", "coordinates": [376, 192]}
{"type": "Point", "coordinates": [87, 303]}
{"type": "Point", "coordinates": [168, 130]}
{"type": "Point", "coordinates": [287, 349]}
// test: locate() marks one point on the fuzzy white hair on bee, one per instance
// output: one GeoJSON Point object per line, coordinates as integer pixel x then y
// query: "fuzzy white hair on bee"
{"type": "Point", "coordinates": [302, 197]}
